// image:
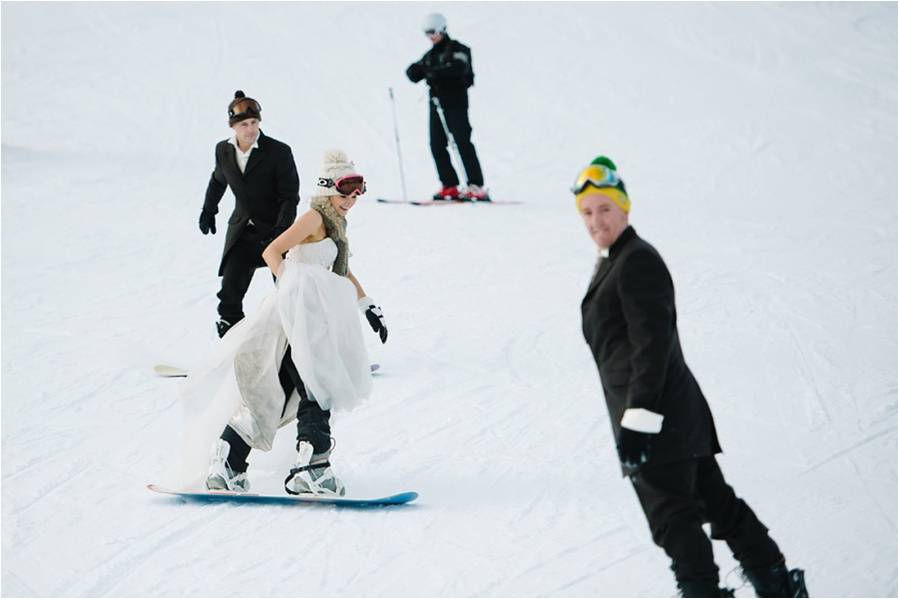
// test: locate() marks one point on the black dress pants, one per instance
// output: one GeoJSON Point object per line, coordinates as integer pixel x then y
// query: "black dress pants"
{"type": "Point", "coordinates": [239, 266]}
{"type": "Point", "coordinates": [679, 497]}
{"type": "Point", "coordinates": [460, 127]}
{"type": "Point", "coordinates": [312, 423]}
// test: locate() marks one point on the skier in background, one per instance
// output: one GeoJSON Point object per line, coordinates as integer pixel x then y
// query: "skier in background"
{"type": "Point", "coordinates": [262, 175]}
{"type": "Point", "coordinates": [665, 434]}
{"type": "Point", "coordinates": [449, 72]}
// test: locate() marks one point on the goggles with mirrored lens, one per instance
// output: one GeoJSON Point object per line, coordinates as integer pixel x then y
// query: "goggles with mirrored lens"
{"type": "Point", "coordinates": [597, 175]}
{"type": "Point", "coordinates": [245, 107]}
{"type": "Point", "coordinates": [345, 186]}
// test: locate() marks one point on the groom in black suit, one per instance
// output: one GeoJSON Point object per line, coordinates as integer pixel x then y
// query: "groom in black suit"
{"type": "Point", "coordinates": [262, 175]}
{"type": "Point", "coordinates": [665, 434]}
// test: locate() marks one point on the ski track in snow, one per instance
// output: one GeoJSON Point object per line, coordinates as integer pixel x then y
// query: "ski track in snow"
{"type": "Point", "coordinates": [758, 155]}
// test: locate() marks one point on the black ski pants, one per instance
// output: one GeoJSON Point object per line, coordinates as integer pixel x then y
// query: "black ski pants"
{"type": "Point", "coordinates": [460, 127]}
{"type": "Point", "coordinates": [312, 423]}
{"type": "Point", "coordinates": [238, 269]}
{"type": "Point", "coordinates": [679, 497]}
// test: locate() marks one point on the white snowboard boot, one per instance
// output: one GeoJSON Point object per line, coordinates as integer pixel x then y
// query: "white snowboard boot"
{"type": "Point", "coordinates": [221, 477]}
{"type": "Point", "coordinates": [312, 474]}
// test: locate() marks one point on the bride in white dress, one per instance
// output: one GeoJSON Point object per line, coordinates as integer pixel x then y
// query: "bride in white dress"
{"type": "Point", "coordinates": [307, 327]}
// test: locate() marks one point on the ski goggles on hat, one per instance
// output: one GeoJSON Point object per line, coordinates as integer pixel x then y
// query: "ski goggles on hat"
{"type": "Point", "coordinates": [597, 175]}
{"type": "Point", "coordinates": [345, 186]}
{"type": "Point", "coordinates": [244, 107]}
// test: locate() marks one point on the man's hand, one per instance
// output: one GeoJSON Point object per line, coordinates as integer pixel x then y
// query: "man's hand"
{"type": "Point", "coordinates": [273, 234]}
{"type": "Point", "coordinates": [416, 72]}
{"type": "Point", "coordinates": [207, 222]}
{"type": "Point", "coordinates": [637, 433]}
{"type": "Point", "coordinates": [634, 449]}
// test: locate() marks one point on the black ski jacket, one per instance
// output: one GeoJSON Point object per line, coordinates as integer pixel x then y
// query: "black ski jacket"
{"type": "Point", "coordinates": [630, 324]}
{"type": "Point", "coordinates": [449, 72]}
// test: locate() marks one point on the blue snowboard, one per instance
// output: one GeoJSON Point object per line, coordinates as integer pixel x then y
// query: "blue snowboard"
{"type": "Point", "coordinates": [209, 496]}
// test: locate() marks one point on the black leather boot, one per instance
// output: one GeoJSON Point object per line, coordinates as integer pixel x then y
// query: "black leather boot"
{"type": "Point", "coordinates": [777, 581]}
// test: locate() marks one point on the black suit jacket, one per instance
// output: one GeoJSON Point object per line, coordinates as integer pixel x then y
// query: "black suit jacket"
{"type": "Point", "coordinates": [267, 192]}
{"type": "Point", "coordinates": [630, 324]}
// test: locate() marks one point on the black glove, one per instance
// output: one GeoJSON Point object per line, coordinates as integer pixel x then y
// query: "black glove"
{"type": "Point", "coordinates": [375, 317]}
{"type": "Point", "coordinates": [633, 449]}
{"type": "Point", "coordinates": [273, 234]}
{"type": "Point", "coordinates": [207, 222]}
{"type": "Point", "coordinates": [416, 72]}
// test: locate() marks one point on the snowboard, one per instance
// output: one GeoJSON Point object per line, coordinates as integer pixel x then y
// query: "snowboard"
{"type": "Point", "coordinates": [445, 202]}
{"type": "Point", "coordinates": [166, 371]}
{"type": "Point", "coordinates": [232, 496]}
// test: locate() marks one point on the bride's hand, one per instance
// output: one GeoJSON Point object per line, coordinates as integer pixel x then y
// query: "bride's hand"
{"type": "Point", "coordinates": [375, 317]}
{"type": "Point", "coordinates": [278, 272]}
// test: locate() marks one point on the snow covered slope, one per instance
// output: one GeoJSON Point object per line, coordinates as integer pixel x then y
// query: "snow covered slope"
{"type": "Point", "coordinates": [758, 142]}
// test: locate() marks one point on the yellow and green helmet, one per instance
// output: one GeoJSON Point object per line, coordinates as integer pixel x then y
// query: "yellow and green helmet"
{"type": "Point", "coordinates": [601, 176]}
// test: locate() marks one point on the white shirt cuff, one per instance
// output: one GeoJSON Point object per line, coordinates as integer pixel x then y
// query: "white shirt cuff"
{"type": "Point", "coordinates": [642, 420]}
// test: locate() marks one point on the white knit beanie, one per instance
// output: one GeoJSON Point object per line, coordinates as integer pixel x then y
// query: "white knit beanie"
{"type": "Point", "coordinates": [335, 164]}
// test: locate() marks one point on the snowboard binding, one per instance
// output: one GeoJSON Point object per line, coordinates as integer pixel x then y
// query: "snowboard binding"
{"type": "Point", "coordinates": [220, 476]}
{"type": "Point", "coordinates": [312, 474]}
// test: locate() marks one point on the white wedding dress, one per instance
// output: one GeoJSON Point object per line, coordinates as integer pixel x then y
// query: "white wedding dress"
{"type": "Point", "coordinates": [312, 309]}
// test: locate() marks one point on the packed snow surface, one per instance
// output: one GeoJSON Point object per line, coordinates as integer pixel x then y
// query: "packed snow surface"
{"type": "Point", "coordinates": [758, 143]}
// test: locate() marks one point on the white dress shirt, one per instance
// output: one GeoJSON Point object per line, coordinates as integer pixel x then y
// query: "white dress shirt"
{"type": "Point", "coordinates": [243, 157]}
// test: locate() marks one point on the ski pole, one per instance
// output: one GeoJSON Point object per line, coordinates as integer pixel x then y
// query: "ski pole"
{"type": "Point", "coordinates": [449, 136]}
{"type": "Point", "coordinates": [398, 147]}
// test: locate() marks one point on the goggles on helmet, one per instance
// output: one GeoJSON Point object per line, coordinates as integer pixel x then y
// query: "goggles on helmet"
{"type": "Point", "coordinates": [345, 186]}
{"type": "Point", "coordinates": [597, 175]}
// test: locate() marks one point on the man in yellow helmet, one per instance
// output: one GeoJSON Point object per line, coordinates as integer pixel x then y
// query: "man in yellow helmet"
{"type": "Point", "coordinates": [662, 425]}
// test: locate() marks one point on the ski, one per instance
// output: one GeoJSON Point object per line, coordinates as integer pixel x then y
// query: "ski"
{"type": "Point", "coordinates": [234, 497]}
{"type": "Point", "coordinates": [446, 202]}
{"type": "Point", "coordinates": [166, 371]}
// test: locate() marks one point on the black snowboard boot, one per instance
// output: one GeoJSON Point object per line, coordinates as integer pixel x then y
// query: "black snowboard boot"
{"type": "Point", "coordinates": [702, 588]}
{"type": "Point", "coordinates": [777, 581]}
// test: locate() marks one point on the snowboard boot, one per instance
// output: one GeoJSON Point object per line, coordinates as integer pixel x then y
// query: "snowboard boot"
{"type": "Point", "coordinates": [702, 588]}
{"type": "Point", "coordinates": [221, 477]}
{"type": "Point", "coordinates": [312, 474]}
{"type": "Point", "coordinates": [777, 581]}
{"type": "Point", "coordinates": [476, 193]}
{"type": "Point", "coordinates": [447, 193]}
